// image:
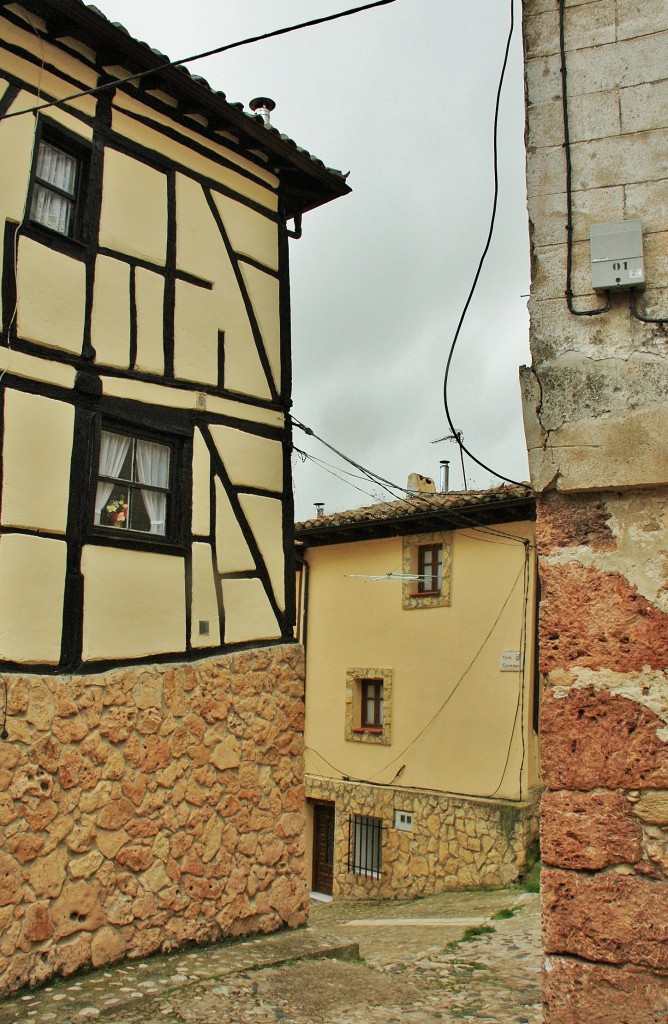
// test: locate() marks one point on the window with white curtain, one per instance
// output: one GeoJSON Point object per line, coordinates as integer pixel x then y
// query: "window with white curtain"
{"type": "Point", "coordinates": [57, 183]}
{"type": "Point", "coordinates": [133, 492]}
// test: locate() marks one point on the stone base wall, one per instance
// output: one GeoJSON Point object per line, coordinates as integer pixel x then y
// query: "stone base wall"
{"type": "Point", "coordinates": [456, 843]}
{"type": "Point", "coordinates": [146, 807]}
{"type": "Point", "coordinates": [604, 745]}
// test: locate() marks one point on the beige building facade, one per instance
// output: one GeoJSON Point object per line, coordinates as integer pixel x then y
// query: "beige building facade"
{"type": "Point", "coordinates": [417, 618]}
{"type": "Point", "coordinates": [151, 688]}
{"type": "Point", "coordinates": [596, 420]}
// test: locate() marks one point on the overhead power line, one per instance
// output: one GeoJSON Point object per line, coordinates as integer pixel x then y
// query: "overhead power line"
{"type": "Point", "coordinates": [200, 56]}
{"type": "Point", "coordinates": [457, 433]}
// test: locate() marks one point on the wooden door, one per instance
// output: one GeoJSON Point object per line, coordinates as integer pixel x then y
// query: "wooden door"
{"type": "Point", "coordinates": [323, 847]}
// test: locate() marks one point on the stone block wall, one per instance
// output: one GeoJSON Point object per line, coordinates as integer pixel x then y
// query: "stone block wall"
{"type": "Point", "coordinates": [456, 843]}
{"type": "Point", "coordinates": [146, 807]}
{"type": "Point", "coordinates": [604, 728]}
{"type": "Point", "coordinates": [596, 422]}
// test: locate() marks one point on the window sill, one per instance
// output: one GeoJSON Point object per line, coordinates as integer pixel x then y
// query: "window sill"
{"type": "Point", "coordinates": [427, 593]}
{"type": "Point", "coordinates": [113, 537]}
{"type": "Point", "coordinates": [369, 729]}
{"type": "Point", "coordinates": [69, 244]}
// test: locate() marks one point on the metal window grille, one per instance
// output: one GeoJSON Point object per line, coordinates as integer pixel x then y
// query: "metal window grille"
{"type": "Point", "coordinates": [365, 841]}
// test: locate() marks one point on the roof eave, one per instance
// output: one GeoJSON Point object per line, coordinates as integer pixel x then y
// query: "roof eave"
{"type": "Point", "coordinates": [462, 517]}
{"type": "Point", "coordinates": [312, 184]}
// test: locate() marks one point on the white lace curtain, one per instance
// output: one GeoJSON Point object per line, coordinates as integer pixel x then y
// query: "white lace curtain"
{"type": "Point", "coordinates": [113, 449]}
{"type": "Point", "coordinates": [48, 207]}
{"type": "Point", "coordinates": [153, 468]}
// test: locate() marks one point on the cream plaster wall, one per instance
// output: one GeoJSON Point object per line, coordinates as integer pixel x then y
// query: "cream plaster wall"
{"type": "Point", "coordinates": [195, 334]}
{"type": "Point", "coordinates": [110, 327]}
{"type": "Point", "coordinates": [204, 600]}
{"type": "Point", "coordinates": [51, 54]}
{"type": "Point", "coordinates": [134, 603]}
{"type": "Point", "coordinates": [264, 295]}
{"type": "Point", "coordinates": [186, 157]}
{"type": "Point", "coordinates": [32, 570]}
{"type": "Point", "coordinates": [251, 461]}
{"type": "Point", "coordinates": [199, 246]}
{"type": "Point", "coordinates": [201, 522]}
{"type": "Point", "coordinates": [16, 137]}
{"type": "Point", "coordinates": [51, 291]}
{"type": "Point", "coordinates": [149, 299]}
{"type": "Point", "coordinates": [453, 710]}
{"type": "Point", "coordinates": [128, 103]}
{"type": "Point", "coordinates": [265, 518]}
{"type": "Point", "coordinates": [35, 368]}
{"type": "Point", "coordinates": [201, 251]}
{"type": "Point", "coordinates": [232, 551]}
{"type": "Point", "coordinates": [36, 455]}
{"type": "Point", "coordinates": [250, 233]}
{"type": "Point", "coordinates": [134, 208]}
{"type": "Point", "coordinates": [38, 74]}
{"type": "Point", "coordinates": [248, 614]}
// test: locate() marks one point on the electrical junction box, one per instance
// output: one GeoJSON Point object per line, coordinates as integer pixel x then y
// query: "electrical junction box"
{"type": "Point", "coordinates": [616, 255]}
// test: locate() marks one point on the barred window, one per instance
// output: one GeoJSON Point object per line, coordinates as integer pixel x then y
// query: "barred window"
{"type": "Point", "coordinates": [365, 845]}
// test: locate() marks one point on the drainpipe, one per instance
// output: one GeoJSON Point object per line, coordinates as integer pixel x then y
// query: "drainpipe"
{"type": "Point", "coordinates": [304, 578]}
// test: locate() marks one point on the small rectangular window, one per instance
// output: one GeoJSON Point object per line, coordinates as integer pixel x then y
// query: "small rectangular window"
{"type": "Point", "coordinates": [134, 491]}
{"type": "Point", "coordinates": [365, 845]}
{"type": "Point", "coordinates": [430, 568]}
{"type": "Point", "coordinates": [57, 183]}
{"type": "Point", "coordinates": [371, 703]}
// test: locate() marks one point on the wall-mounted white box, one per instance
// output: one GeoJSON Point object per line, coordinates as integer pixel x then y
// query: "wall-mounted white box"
{"type": "Point", "coordinates": [617, 255]}
{"type": "Point", "coordinates": [403, 820]}
{"type": "Point", "coordinates": [510, 661]}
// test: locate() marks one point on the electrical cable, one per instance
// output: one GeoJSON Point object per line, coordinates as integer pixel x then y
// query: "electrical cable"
{"type": "Point", "coordinates": [525, 571]}
{"type": "Point", "coordinates": [369, 474]}
{"type": "Point", "coordinates": [641, 316]}
{"type": "Point", "coordinates": [199, 56]}
{"type": "Point", "coordinates": [405, 499]}
{"type": "Point", "coordinates": [460, 681]}
{"type": "Point", "coordinates": [519, 706]}
{"type": "Point", "coordinates": [331, 471]}
{"type": "Point", "coordinates": [569, 181]}
{"type": "Point", "coordinates": [457, 434]}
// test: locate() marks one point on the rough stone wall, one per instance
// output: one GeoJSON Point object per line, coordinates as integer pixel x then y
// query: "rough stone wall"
{"type": "Point", "coordinates": [596, 420]}
{"type": "Point", "coordinates": [604, 827]}
{"type": "Point", "coordinates": [455, 843]}
{"type": "Point", "coordinates": [145, 807]}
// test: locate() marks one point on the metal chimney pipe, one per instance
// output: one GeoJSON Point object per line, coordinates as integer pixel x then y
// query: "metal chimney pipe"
{"type": "Point", "coordinates": [263, 106]}
{"type": "Point", "coordinates": [445, 476]}
{"type": "Point", "coordinates": [319, 509]}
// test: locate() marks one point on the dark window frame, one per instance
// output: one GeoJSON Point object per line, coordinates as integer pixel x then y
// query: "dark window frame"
{"type": "Point", "coordinates": [80, 149]}
{"type": "Point", "coordinates": [174, 539]}
{"type": "Point", "coordinates": [431, 576]}
{"type": "Point", "coordinates": [371, 690]}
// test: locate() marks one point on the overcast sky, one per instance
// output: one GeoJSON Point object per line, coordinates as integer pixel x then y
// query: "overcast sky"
{"type": "Point", "coordinates": [401, 96]}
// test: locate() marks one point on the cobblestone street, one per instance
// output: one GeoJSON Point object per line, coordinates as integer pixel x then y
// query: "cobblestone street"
{"type": "Point", "coordinates": [381, 963]}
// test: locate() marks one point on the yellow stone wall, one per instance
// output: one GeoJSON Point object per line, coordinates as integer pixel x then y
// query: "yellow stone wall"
{"type": "Point", "coordinates": [455, 843]}
{"type": "Point", "coordinates": [147, 807]}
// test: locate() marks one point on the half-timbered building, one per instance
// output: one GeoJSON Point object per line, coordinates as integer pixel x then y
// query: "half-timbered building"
{"type": "Point", "coordinates": [151, 689]}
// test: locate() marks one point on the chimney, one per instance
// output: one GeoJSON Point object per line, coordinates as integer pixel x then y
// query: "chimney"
{"type": "Point", "coordinates": [263, 106]}
{"type": "Point", "coordinates": [445, 476]}
{"type": "Point", "coordinates": [418, 484]}
{"type": "Point", "coordinates": [319, 509]}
